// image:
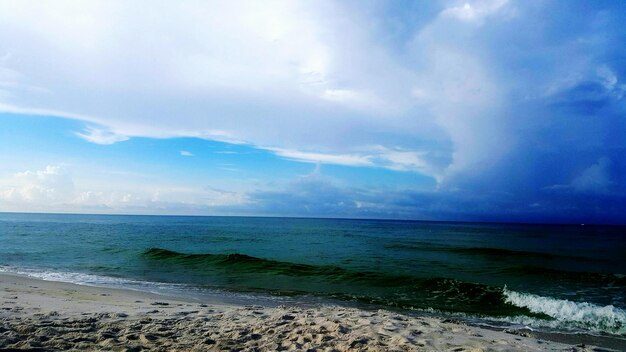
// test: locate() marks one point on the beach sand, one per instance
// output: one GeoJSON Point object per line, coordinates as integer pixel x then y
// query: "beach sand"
{"type": "Point", "coordinates": [42, 315]}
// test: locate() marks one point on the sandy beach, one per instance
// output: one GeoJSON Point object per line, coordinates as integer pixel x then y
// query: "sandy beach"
{"type": "Point", "coordinates": [42, 315]}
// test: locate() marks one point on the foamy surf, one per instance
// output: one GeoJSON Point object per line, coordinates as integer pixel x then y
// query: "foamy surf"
{"type": "Point", "coordinates": [568, 314]}
{"type": "Point", "coordinates": [74, 278]}
{"type": "Point", "coordinates": [160, 288]}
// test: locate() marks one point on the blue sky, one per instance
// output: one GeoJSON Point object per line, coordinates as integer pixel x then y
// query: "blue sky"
{"type": "Point", "coordinates": [446, 110]}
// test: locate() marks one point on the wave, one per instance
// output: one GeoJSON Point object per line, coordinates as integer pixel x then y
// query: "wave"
{"type": "Point", "coordinates": [488, 251]}
{"type": "Point", "coordinates": [568, 314]}
{"type": "Point", "coordinates": [418, 245]}
{"type": "Point", "coordinates": [605, 279]}
{"type": "Point", "coordinates": [74, 277]}
{"type": "Point", "coordinates": [169, 289]}
{"type": "Point", "coordinates": [501, 252]}
{"type": "Point", "coordinates": [401, 291]}
{"type": "Point", "coordinates": [379, 288]}
{"type": "Point", "coordinates": [244, 263]}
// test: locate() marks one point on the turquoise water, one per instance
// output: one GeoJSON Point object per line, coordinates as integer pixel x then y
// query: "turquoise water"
{"type": "Point", "coordinates": [568, 278]}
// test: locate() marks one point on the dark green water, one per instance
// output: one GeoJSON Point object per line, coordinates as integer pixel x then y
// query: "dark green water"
{"type": "Point", "coordinates": [568, 278]}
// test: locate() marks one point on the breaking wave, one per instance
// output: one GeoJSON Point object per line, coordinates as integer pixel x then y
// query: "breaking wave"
{"type": "Point", "coordinates": [568, 314]}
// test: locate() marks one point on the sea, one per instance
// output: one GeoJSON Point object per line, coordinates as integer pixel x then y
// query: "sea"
{"type": "Point", "coordinates": [555, 279]}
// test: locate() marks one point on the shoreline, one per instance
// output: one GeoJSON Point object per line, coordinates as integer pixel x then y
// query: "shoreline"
{"type": "Point", "coordinates": [50, 315]}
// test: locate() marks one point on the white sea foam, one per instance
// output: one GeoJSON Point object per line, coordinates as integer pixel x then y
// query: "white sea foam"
{"type": "Point", "coordinates": [572, 314]}
{"type": "Point", "coordinates": [76, 278]}
{"type": "Point", "coordinates": [170, 289]}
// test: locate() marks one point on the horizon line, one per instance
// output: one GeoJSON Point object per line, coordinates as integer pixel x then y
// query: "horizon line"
{"type": "Point", "coordinates": [327, 218]}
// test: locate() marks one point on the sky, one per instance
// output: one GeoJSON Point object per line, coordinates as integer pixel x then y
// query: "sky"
{"type": "Point", "coordinates": [511, 111]}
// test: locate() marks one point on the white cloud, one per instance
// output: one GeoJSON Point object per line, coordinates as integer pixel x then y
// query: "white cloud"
{"type": "Point", "coordinates": [369, 156]}
{"type": "Point", "coordinates": [271, 73]}
{"type": "Point", "coordinates": [319, 81]}
{"type": "Point", "coordinates": [463, 95]}
{"type": "Point", "coordinates": [336, 159]}
{"type": "Point", "coordinates": [584, 73]}
{"type": "Point", "coordinates": [186, 153]}
{"type": "Point", "coordinates": [12, 109]}
{"type": "Point", "coordinates": [474, 11]}
{"type": "Point", "coordinates": [54, 189]}
{"type": "Point", "coordinates": [610, 82]}
{"type": "Point", "coordinates": [101, 136]}
{"type": "Point", "coordinates": [405, 160]}
{"type": "Point", "coordinates": [594, 179]}
{"type": "Point", "coordinates": [48, 186]}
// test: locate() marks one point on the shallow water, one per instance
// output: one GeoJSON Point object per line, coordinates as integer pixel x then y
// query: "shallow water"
{"type": "Point", "coordinates": [568, 278]}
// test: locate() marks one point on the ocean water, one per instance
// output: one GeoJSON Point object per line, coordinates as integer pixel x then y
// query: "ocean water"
{"type": "Point", "coordinates": [559, 278]}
